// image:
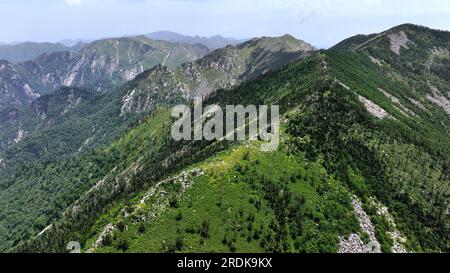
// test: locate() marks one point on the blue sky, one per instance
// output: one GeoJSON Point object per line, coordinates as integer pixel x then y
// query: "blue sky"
{"type": "Point", "coordinates": [320, 22]}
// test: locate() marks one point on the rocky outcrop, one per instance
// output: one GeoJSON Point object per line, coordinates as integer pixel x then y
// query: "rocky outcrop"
{"type": "Point", "coordinates": [418, 104]}
{"type": "Point", "coordinates": [375, 60]}
{"type": "Point", "coordinates": [185, 179]}
{"type": "Point", "coordinates": [438, 98]}
{"type": "Point", "coordinates": [159, 86]}
{"type": "Point", "coordinates": [107, 63]}
{"type": "Point", "coordinates": [354, 243]}
{"type": "Point", "coordinates": [107, 231]}
{"type": "Point", "coordinates": [16, 89]}
{"type": "Point", "coordinates": [20, 135]}
{"type": "Point", "coordinates": [374, 109]}
{"type": "Point", "coordinates": [398, 238]}
{"type": "Point", "coordinates": [398, 105]}
{"type": "Point", "coordinates": [398, 41]}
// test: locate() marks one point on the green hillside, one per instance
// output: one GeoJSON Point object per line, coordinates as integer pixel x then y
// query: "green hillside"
{"type": "Point", "coordinates": [364, 158]}
{"type": "Point", "coordinates": [71, 125]}
{"type": "Point", "coordinates": [320, 164]}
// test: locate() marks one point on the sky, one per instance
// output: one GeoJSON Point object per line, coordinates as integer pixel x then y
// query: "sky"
{"type": "Point", "coordinates": [322, 23]}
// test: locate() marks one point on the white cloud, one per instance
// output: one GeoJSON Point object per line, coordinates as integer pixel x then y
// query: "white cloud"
{"type": "Point", "coordinates": [73, 3]}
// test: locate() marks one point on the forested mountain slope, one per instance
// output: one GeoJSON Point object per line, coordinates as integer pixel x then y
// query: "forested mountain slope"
{"type": "Point", "coordinates": [415, 55]}
{"type": "Point", "coordinates": [343, 176]}
{"type": "Point", "coordinates": [301, 198]}
{"type": "Point", "coordinates": [67, 125]}
{"type": "Point", "coordinates": [363, 159]}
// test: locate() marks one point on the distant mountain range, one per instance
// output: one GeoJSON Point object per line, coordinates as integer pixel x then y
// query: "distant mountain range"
{"type": "Point", "coordinates": [74, 42]}
{"type": "Point", "coordinates": [213, 42]}
{"type": "Point", "coordinates": [100, 65]}
{"type": "Point", "coordinates": [31, 69]}
{"type": "Point", "coordinates": [17, 52]}
{"type": "Point", "coordinates": [21, 52]}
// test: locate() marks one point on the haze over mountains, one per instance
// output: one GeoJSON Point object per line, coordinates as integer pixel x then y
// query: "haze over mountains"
{"type": "Point", "coordinates": [21, 52]}
{"type": "Point", "coordinates": [17, 52]}
{"type": "Point", "coordinates": [213, 42]}
{"type": "Point", "coordinates": [100, 65]}
{"type": "Point", "coordinates": [86, 153]}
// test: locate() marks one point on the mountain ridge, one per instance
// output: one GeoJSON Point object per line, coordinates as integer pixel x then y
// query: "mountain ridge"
{"type": "Point", "coordinates": [28, 51]}
{"type": "Point", "coordinates": [201, 77]}
{"type": "Point", "coordinates": [76, 137]}
{"type": "Point", "coordinates": [213, 42]}
{"type": "Point", "coordinates": [222, 69]}
{"type": "Point", "coordinates": [316, 93]}
{"type": "Point", "coordinates": [101, 65]}
{"type": "Point", "coordinates": [363, 158]}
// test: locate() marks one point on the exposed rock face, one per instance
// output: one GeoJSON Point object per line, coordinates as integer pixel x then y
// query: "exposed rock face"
{"type": "Point", "coordinates": [158, 87]}
{"type": "Point", "coordinates": [374, 109]}
{"type": "Point", "coordinates": [418, 104]}
{"type": "Point", "coordinates": [401, 108]}
{"type": "Point", "coordinates": [63, 106]}
{"type": "Point", "coordinates": [439, 99]}
{"type": "Point", "coordinates": [50, 70]}
{"type": "Point", "coordinates": [427, 63]}
{"type": "Point", "coordinates": [102, 66]}
{"type": "Point", "coordinates": [398, 41]}
{"type": "Point", "coordinates": [221, 69]}
{"type": "Point", "coordinates": [107, 63]}
{"type": "Point", "coordinates": [375, 60]}
{"type": "Point", "coordinates": [108, 231]}
{"type": "Point", "coordinates": [364, 220]}
{"type": "Point", "coordinates": [398, 238]}
{"type": "Point", "coordinates": [15, 88]}
{"type": "Point", "coordinates": [20, 134]}
{"type": "Point", "coordinates": [354, 244]}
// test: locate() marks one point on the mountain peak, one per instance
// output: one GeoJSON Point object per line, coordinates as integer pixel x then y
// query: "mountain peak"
{"type": "Point", "coordinates": [288, 37]}
{"type": "Point", "coordinates": [399, 37]}
{"type": "Point", "coordinates": [411, 27]}
{"type": "Point", "coordinates": [285, 43]}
